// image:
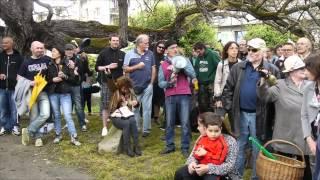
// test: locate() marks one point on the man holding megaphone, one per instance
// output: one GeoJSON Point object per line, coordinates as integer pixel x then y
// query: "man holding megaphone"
{"type": "Point", "coordinates": [173, 78]}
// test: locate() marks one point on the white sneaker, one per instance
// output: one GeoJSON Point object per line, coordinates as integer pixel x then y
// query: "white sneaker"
{"type": "Point", "coordinates": [84, 128]}
{"type": "Point", "coordinates": [75, 141]}
{"type": "Point", "coordinates": [57, 139]}
{"type": "Point", "coordinates": [2, 131]}
{"type": "Point", "coordinates": [104, 131]}
{"type": "Point", "coordinates": [86, 120]}
{"type": "Point", "coordinates": [16, 131]}
{"type": "Point", "coordinates": [38, 142]}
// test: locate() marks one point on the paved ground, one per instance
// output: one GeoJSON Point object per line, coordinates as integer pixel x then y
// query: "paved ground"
{"type": "Point", "coordinates": [31, 163]}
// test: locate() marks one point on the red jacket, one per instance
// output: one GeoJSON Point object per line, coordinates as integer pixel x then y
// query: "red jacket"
{"type": "Point", "coordinates": [217, 150]}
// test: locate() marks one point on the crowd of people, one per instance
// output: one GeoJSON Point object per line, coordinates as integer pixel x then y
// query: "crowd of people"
{"type": "Point", "coordinates": [267, 93]}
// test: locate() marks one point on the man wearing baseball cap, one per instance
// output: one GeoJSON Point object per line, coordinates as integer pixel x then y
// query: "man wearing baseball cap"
{"type": "Point", "coordinates": [246, 111]}
{"type": "Point", "coordinates": [177, 98]}
{"type": "Point", "coordinates": [76, 90]}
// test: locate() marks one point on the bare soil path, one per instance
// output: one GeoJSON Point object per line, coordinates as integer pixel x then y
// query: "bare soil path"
{"type": "Point", "coordinates": [18, 162]}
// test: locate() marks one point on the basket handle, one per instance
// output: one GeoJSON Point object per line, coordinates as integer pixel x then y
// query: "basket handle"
{"type": "Point", "coordinates": [285, 142]}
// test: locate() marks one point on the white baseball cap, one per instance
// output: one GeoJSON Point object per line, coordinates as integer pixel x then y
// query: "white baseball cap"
{"type": "Point", "coordinates": [257, 43]}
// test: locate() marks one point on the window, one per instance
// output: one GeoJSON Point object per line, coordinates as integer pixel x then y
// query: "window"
{"type": "Point", "coordinates": [97, 12]}
{"type": "Point", "coordinates": [238, 35]}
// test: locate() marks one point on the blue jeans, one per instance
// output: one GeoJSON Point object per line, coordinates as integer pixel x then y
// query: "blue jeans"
{"type": "Point", "coordinates": [180, 104]}
{"type": "Point", "coordinates": [247, 127]}
{"type": "Point", "coordinates": [76, 93]}
{"type": "Point", "coordinates": [8, 110]}
{"type": "Point", "coordinates": [64, 102]}
{"type": "Point", "coordinates": [39, 113]}
{"type": "Point", "coordinates": [145, 100]}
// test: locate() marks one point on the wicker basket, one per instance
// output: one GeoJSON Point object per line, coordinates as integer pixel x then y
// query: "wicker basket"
{"type": "Point", "coordinates": [284, 168]}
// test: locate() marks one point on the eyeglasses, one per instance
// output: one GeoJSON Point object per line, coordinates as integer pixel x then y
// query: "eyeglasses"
{"type": "Point", "coordinates": [254, 50]}
{"type": "Point", "coordinates": [287, 49]}
{"type": "Point", "coordinates": [160, 47]}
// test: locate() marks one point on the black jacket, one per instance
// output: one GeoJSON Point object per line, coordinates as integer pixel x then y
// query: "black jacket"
{"type": "Point", "coordinates": [63, 86]}
{"type": "Point", "coordinates": [83, 68]}
{"type": "Point", "coordinates": [10, 65]}
{"type": "Point", "coordinates": [108, 56]}
{"type": "Point", "coordinates": [231, 101]}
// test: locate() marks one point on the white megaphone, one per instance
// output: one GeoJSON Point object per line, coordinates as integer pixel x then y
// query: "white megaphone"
{"type": "Point", "coordinates": [178, 62]}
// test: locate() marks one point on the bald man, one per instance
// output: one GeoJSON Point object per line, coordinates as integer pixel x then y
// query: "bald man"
{"type": "Point", "coordinates": [304, 47]}
{"type": "Point", "coordinates": [40, 111]}
{"type": "Point", "coordinates": [10, 62]}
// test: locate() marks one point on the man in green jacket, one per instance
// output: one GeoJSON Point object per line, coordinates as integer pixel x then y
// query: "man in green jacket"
{"type": "Point", "coordinates": [205, 67]}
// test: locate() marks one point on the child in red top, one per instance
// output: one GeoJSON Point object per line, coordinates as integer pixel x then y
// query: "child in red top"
{"type": "Point", "coordinates": [212, 147]}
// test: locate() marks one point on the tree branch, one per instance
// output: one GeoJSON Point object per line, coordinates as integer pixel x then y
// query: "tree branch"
{"type": "Point", "coordinates": [201, 5]}
{"type": "Point", "coordinates": [50, 14]}
{"type": "Point", "coordinates": [284, 6]}
{"type": "Point", "coordinates": [302, 7]}
{"type": "Point", "coordinates": [261, 4]}
{"type": "Point", "coordinates": [317, 21]}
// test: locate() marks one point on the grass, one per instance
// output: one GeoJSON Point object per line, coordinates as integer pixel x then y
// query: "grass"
{"type": "Point", "coordinates": [151, 165]}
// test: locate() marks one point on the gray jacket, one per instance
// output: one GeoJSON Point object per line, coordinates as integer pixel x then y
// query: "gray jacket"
{"type": "Point", "coordinates": [22, 95]}
{"type": "Point", "coordinates": [310, 109]}
{"type": "Point", "coordinates": [287, 98]}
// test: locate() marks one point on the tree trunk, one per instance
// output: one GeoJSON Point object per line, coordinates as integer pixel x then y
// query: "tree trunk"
{"type": "Point", "coordinates": [123, 22]}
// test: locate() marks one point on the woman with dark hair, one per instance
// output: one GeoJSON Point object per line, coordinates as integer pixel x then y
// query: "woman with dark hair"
{"type": "Point", "coordinates": [59, 78]}
{"type": "Point", "coordinates": [121, 108]}
{"type": "Point", "coordinates": [310, 112]}
{"type": "Point", "coordinates": [230, 57]}
{"type": "Point", "coordinates": [158, 93]}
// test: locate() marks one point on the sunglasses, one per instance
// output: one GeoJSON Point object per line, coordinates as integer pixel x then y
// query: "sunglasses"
{"type": "Point", "coordinates": [160, 47]}
{"type": "Point", "coordinates": [254, 50]}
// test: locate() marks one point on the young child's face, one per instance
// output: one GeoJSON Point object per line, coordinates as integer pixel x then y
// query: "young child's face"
{"type": "Point", "coordinates": [201, 128]}
{"type": "Point", "coordinates": [213, 132]}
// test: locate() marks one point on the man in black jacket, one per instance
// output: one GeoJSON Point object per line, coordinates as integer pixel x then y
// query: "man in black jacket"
{"type": "Point", "coordinates": [109, 65]}
{"type": "Point", "coordinates": [10, 61]}
{"type": "Point", "coordinates": [248, 113]}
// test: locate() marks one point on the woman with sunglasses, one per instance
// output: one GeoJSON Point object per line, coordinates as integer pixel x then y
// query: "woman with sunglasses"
{"type": "Point", "coordinates": [158, 93]}
{"type": "Point", "coordinates": [230, 57]}
{"type": "Point", "coordinates": [287, 96]}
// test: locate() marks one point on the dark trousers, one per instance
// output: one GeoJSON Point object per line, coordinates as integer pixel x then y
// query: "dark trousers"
{"type": "Point", "coordinates": [183, 174]}
{"type": "Point", "coordinates": [87, 101]}
{"type": "Point", "coordinates": [316, 175]}
{"type": "Point", "coordinates": [129, 129]}
{"type": "Point", "coordinates": [205, 98]}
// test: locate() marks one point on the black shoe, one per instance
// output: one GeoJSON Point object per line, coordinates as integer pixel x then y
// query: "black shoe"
{"type": "Point", "coordinates": [157, 121]}
{"type": "Point", "coordinates": [185, 154]}
{"type": "Point", "coordinates": [130, 152]}
{"type": "Point", "coordinates": [145, 134]}
{"type": "Point", "coordinates": [137, 150]}
{"type": "Point", "coordinates": [167, 151]}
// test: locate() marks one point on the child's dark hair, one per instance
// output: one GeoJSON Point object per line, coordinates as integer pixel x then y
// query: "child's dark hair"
{"type": "Point", "coordinates": [210, 118]}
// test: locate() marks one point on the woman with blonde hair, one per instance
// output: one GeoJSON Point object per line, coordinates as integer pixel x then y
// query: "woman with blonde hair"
{"type": "Point", "coordinates": [121, 107]}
